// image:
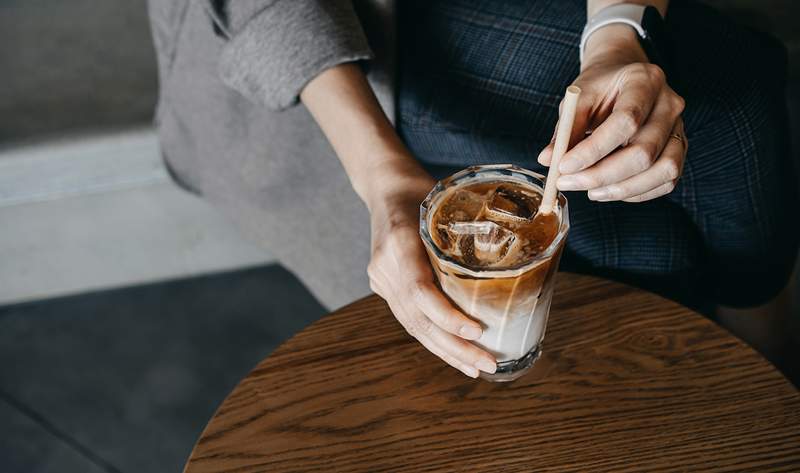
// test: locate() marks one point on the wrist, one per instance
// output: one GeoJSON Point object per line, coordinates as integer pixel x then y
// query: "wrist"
{"type": "Point", "coordinates": [390, 177]}
{"type": "Point", "coordinates": [615, 43]}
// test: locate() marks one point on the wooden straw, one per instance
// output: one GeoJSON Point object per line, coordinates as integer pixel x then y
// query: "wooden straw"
{"type": "Point", "coordinates": [563, 133]}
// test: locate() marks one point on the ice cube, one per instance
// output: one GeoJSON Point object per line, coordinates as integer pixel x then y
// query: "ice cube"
{"type": "Point", "coordinates": [511, 205]}
{"type": "Point", "coordinates": [463, 206]}
{"type": "Point", "coordinates": [472, 228]}
{"type": "Point", "coordinates": [459, 239]}
{"type": "Point", "coordinates": [445, 239]}
{"type": "Point", "coordinates": [484, 243]}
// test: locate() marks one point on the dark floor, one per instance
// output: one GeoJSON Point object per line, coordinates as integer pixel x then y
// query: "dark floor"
{"type": "Point", "coordinates": [125, 380]}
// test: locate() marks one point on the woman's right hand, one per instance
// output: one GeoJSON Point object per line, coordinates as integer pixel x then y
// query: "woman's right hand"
{"type": "Point", "coordinates": [399, 270]}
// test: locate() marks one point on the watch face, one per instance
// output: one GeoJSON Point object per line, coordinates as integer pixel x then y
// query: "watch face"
{"type": "Point", "coordinates": [655, 42]}
{"type": "Point", "coordinates": [652, 23]}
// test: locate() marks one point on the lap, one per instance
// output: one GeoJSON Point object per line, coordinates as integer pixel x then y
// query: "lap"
{"type": "Point", "coordinates": [482, 80]}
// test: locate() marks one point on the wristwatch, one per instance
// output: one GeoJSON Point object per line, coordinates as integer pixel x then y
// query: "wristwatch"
{"type": "Point", "coordinates": [647, 22]}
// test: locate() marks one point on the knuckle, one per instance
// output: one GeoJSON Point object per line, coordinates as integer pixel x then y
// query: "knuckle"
{"type": "Point", "coordinates": [590, 181]}
{"type": "Point", "coordinates": [411, 327]}
{"type": "Point", "coordinates": [644, 155]}
{"type": "Point", "coordinates": [447, 358]}
{"type": "Point", "coordinates": [655, 72]}
{"type": "Point", "coordinates": [678, 103]}
{"type": "Point", "coordinates": [419, 326]}
{"type": "Point", "coordinates": [671, 170]}
{"type": "Point", "coordinates": [586, 179]}
{"type": "Point", "coordinates": [452, 361]}
{"type": "Point", "coordinates": [400, 226]}
{"type": "Point", "coordinates": [378, 253]}
{"type": "Point", "coordinates": [372, 270]}
{"type": "Point", "coordinates": [396, 231]}
{"type": "Point", "coordinates": [595, 149]}
{"type": "Point", "coordinates": [615, 192]}
{"type": "Point", "coordinates": [411, 330]}
{"type": "Point", "coordinates": [637, 68]}
{"type": "Point", "coordinates": [419, 288]}
{"type": "Point", "coordinates": [629, 121]}
{"type": "Point", "coordinates": [472, 356]}
{"type": "Point", "coordinates": [592, 150]}
{"type": "Point", "coordinates": [394, 223]}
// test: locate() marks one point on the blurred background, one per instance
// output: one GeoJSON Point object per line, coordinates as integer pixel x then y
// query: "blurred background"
{"type": "Point", "coordinates": [129, 308]}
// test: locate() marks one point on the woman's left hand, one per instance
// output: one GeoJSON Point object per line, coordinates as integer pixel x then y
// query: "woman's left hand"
{"type": "Point", "coordinates": [637, 145]}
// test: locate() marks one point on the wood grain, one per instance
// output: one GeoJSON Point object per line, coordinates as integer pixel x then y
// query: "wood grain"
{"type": "Point", "coordinates": [628, 382]}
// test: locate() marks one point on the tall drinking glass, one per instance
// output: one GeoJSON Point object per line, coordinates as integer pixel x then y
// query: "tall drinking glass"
{"type": "Point", "coordinates": [510, 302]}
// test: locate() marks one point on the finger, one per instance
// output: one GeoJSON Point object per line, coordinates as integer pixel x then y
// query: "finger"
{"type": "Point", "coordinates": [430, 335]}
{"type": "Point", "coordinates": [659, 191]}
{"type": "Point", "coordinates": [378, 287]}
{"type": "Point", "coordinates": [462, 350]}
{"type": "Point", "coordinates": [460, 353]}
{"type": "Point", "coordinates": [466, 358]}
{"type": "Point", "coordinates": [665, 170]}
{"type": "Point", "coordinates": [547, 153]}
{"type": "Point", "coordinates": [638, 156]}
{"type": "Point", "coordinates": [469, 370]}
{"type": "Point", "coordinates": [412, 262]}
{"type": "Point", "coordinates": [376, 277]}
{"type": "Point", "coordinates": [407, 320]}
{"type": "Point", "coordinates": [579, 127]}
{"type": "Point", "coordinates": [631, 109]}
{"type": "Point", "coordinates": [436, 307]}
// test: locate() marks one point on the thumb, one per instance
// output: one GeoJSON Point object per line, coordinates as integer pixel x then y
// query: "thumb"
{"type": "Point", "coordinates": [547, 153]}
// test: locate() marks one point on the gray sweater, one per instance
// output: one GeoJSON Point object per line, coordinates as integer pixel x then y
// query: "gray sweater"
{"type": "Point", "coordinates": [275, 47]}
{"type": "Point", "coordinates": [229, 74]}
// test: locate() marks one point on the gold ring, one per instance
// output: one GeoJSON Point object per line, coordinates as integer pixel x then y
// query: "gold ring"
{"type": "Point", "coordinates": [677, 137]}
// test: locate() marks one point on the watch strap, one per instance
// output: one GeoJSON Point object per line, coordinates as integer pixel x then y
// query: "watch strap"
{"type": "Point", "coordinates": [630, 14]}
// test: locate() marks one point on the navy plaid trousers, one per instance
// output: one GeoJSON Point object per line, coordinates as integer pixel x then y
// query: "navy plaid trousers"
{"type": "Point", "coordinates": [480, 83]}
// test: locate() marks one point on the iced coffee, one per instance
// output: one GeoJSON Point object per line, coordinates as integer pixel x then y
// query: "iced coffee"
{"type": "Point", "coordinates": [495, 256]}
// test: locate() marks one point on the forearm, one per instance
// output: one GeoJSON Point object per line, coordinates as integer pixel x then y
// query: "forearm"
{"type": "Point", "coordinates": [343, 104]}
{"type": "Point", "coordinates": [616, 42]}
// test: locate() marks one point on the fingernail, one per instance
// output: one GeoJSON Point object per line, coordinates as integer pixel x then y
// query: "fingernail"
{"type": "Point", "coordinates": [598, 194]}
{"type": "Point", "coordinates": [470, 332]}
{"type": "Point", "coordinates": [471, 371]}
{"type": "Point", "coordinates": [486, 366]}
{"type": "Point", "coordinates": [569, 166]}
{"type": "Point", "coordinates": [568, 183]}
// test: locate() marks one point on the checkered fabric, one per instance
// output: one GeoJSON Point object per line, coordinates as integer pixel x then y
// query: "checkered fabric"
{"type": "Point", "coordinates": [480, 82]}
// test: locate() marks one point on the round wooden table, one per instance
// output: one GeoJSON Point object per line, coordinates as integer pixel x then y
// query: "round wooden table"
{"type": "Point", "coordinates": [627, 381]}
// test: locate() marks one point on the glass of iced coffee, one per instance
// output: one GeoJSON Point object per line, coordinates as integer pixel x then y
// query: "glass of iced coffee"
{"type": "Point", "coordinates": [496, 257]}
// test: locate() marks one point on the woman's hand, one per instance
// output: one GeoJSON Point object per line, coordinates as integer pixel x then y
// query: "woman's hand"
{"type": "Point", "coordinates": [393, 185]}
{"type": "Point", "coordinates": [637, 145]}
{"type": "Point", "coordinates": [400, 272]}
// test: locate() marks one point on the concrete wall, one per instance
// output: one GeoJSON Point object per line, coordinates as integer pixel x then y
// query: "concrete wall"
{"type": "Point", "coordinates": [74, 65]}
{"type": "Point", "coordinates": [85, 202]}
